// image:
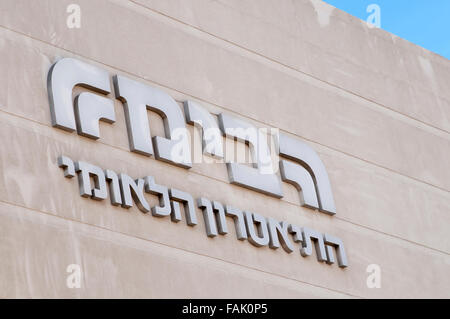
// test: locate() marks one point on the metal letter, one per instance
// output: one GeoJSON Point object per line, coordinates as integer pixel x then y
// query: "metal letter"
{"type": "Point", "coordinates": [239, 222]}
{"type": "Point", "coordinates": [62, 77]}
{"type": "Point", "coordinates": [330, 242]}
{"type": "Point", "coordinates": [114, 187]}
{"type": "Point", "coordinates": [84, 179]}
{"type": "Point", "coordinates": [211, 136]}
{"type": "Point", "coordinates": [208, 215]}
{"type": "Point", "coordinates": [130, 190]}
{"type": "Point", "coordinates": [296, 233]}
{"type": "Point", "coordinates": [299, 177]}
{"type": "Point", "coordinates": [308, 158]}
{"type": "Point", "coordinates": [163, 194]}
{"type": "Point", "coordinates": [67, 164]}
{"type": "Point", "coordinates": [279, 231]}
{"type": "Point", "coordinates": [308, 236]}
{"type": "Point", "coordinates": [269, 184]}
{"type": "Point", "coordinates": [221, 221]}
{"type": "Point", "coordinates": [260, 236]}
{"type": "Point", "coordinates": [176, 211]}
{"type": "Point", "coordinates": [89, 110]}
{"type": "Point", "coordinates": [137, 98]}
{"type": "Point", "coordinates": [188, 202]}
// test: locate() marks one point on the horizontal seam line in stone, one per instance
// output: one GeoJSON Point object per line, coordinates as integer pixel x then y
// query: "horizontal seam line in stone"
{"type": "Point", "coordinates": [296, 69]}
{"type": "Point", "coordinates": [227, 183]}
{"type": "Point", "coordinates": [225, 108]}
{"type": "Point", "coordinates": [174, 247]}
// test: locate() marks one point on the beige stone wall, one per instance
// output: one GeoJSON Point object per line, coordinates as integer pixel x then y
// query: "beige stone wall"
{"type": "Point", "coordinates": [375, 107]}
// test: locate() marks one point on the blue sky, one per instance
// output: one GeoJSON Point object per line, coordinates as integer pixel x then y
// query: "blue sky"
{"type": "Point", "coordinates": [423, 22]}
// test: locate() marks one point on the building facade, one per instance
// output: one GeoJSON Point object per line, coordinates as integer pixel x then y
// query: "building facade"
{"type": "Point", "coordinates": [373, 108]}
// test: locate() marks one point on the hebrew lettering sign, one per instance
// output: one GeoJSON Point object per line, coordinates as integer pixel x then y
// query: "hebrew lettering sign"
{"type": "Point", "coordinates": [275, 158]}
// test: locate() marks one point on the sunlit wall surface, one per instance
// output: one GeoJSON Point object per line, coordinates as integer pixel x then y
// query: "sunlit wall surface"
{"type": "Point", "coordinates": [374, 108]}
